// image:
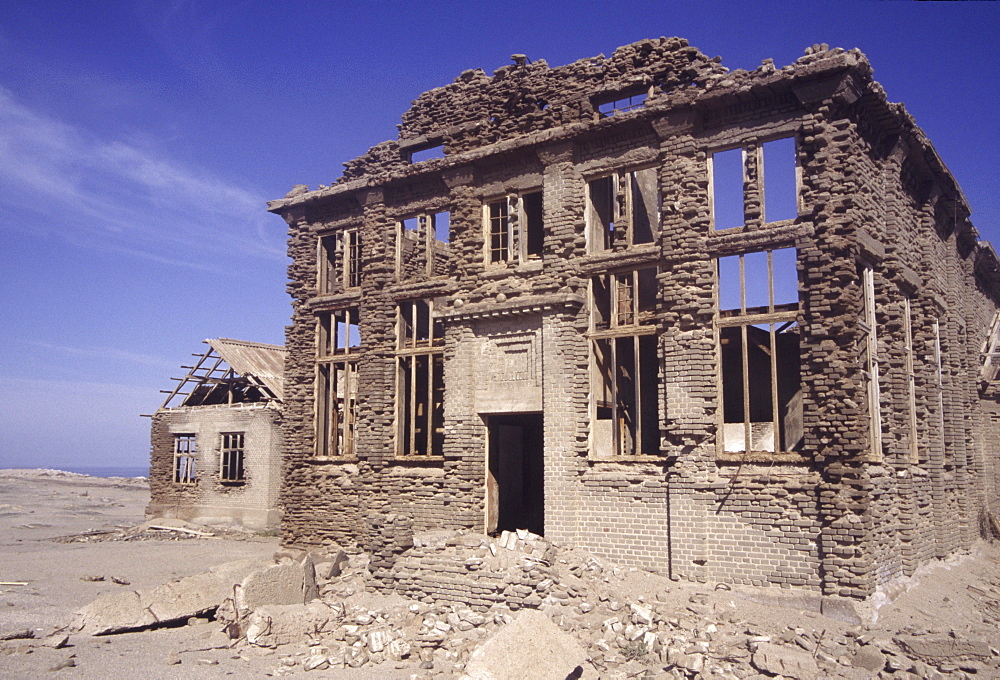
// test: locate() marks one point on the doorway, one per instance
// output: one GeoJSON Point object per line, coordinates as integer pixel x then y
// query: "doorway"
{"type": "Point", "coordinates": [515, 492]}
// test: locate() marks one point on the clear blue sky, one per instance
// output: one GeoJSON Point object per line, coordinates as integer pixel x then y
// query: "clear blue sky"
{"type": "Point", "coordinates": [140, 140]}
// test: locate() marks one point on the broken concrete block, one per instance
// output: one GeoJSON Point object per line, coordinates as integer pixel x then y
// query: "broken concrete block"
{"type": "Point", "coordinates": [273, 625]}
{"type": "Point", "coordinates": [285, 583]}
{"type": "Point", "coordinates": [840, 609]}
{"type": "Point", "coordinates": [792, 663]}
{"type": "Point", "coordinates": [316, 662]}
{"type": "Point", "coordinates": [377, 640]}
{"type": "Point", "coordinates": [531, 646]}
{"type": "Point", "coordinates": [398, 649]}
{"type": "Point", "coordinates": [176, 600]}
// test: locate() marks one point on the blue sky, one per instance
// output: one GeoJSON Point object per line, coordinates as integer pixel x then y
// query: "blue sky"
{"type": "Point", "coordinates": [140, 140]}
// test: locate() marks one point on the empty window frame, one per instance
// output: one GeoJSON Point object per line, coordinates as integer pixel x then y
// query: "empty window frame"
{"type": "Point", "coordinates": [623, 209]}
{"type": "Point", "coordinates": [419, 380]}
{"type": "Point", "coordinates": [758, 336]}
{"type": "Point", "coordinates": [336, 408]}
{"type": "Point", "coordinates": [339, 332]}
{"type": "Point", "coordinates": [869, 360]}
{"type": "Point", "coordinates": [339, 261]}
{"type": "Point", "coordinates": [427, 153]}
{"type": "Point", "coordinates": [339, 341]}
{"type": "Point", "coordinates": [185, 452]}
{"type": "Point", "coordinates": [422, 248]}
{"type": "Point", "coordinates": [231, 457]}
{"type": "Point", "coordinates": [514, 228]}
{"type": "Point", "coordinates": [774, 185]}
{"type": "Point", "coordinates": [911, 379]}
{"type": "Point", "coordinates": [623, 299]}
{"type": "Point", "coordinates": [624, 364]}
{"type": "Point", "coordinates": [623, 104]}
{"type": "Point", "coordinates": [991, 352]}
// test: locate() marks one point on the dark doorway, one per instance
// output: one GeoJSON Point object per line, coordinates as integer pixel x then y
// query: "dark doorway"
{"type": "Point", "coordinates": [515, 497]}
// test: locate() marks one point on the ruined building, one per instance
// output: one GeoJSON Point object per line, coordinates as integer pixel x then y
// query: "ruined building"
{"type": "Point", "coordinates": [216, 440]}
{"type": "Point", "coordinates": [728, 326]}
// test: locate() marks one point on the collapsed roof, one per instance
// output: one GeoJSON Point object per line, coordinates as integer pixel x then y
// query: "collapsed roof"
{"type": "Point", "coordinates": [231, 372]}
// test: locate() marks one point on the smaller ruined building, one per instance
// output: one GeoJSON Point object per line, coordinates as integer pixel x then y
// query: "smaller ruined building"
{"type": "Point", "coordinates": [216, 441]}
{"type": "Point", "coordinates": [725, 325]}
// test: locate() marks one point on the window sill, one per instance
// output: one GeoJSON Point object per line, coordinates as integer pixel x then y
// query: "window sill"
{"type": "Point", "coordinates": [232, 482]}
{"type": "Point", "coordinates": [323, 460]}
{"type": "Point", "coordinates": [402, 459]}
{"type": "Point", "coordinates": [662, 460]}
{"type": "Point", "coordinates": [761, 457]}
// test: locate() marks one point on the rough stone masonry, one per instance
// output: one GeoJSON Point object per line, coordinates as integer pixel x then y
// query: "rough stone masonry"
{"type": "Point", "coordinates": [724, 325]}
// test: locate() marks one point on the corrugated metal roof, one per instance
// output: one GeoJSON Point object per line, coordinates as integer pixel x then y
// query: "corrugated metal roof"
{"type": "Point", "coordinates": [264, 362]}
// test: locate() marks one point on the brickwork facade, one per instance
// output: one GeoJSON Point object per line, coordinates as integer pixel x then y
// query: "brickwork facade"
{"type": "Point", "coordinates": [552, 327]}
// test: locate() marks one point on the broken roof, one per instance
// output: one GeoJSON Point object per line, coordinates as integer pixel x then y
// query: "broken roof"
{"type": "Point", "coordinates": [232, 371]}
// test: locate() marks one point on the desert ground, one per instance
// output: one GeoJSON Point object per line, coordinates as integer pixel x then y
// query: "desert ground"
{"type": "Point", "coordinates": [68, 539]}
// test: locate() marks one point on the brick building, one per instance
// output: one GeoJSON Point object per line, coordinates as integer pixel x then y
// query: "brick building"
{"type": "Point", "coordinates": [216, 441]}
{"type": "Point", "coordinates": [725, 325]}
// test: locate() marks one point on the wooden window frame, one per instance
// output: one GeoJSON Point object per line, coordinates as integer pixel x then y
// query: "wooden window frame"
{"type": "Point", "coordinates": [232, 457]}
{"type": "Point", "coordinates": [619, 227]}
{"type": "Point", "coordinates": [777, 317]}
{"type": "Point", "coordinates": [185, 458]}
{"type": "Point", "coordinates": [623, 340]}
{"type": "Point", "coordinates": [753, 191]}
{"type": "Point", "coordinates": [338, 343]}
{"type": "Point", "coordinates": [419, 351]}
{"type": "Point", "coordinates": [869, 360]}
{"type": "Point", "coordinates": [513, 235]}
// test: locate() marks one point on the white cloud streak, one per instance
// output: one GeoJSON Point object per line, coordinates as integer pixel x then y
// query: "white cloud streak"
{"type": "Point", "coordinates": [107, 353]}
{"type": "Point", "coordinates": [122, 197]}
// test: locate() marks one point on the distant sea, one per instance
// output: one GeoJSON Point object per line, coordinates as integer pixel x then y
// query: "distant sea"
{"type": "Point", "coordinates": [142, 471]}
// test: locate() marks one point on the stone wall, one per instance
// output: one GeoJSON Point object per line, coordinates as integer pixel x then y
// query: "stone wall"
{"type": "Point", "coordinates": [837, 514]}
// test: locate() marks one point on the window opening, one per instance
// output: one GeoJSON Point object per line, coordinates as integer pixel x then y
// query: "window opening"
{"type": "Point", "coordinates": [727, 188]}
{"type": "Point", "coordinates": [185, 451]}
{"type": "Point", "coordinates": [340, 260]}
{"type": "Point", "coordinates": [625, 368]}
{"type": "Point", "coordinates": [623, 209]}
{"type": "Point", "coordinates": [514, 228]}
{"type": "Point", "coordinates": [499, 231]}
{"type": "Point", "coordinates": [775, 186]}
{"type": "Point", "coordinates": [419, 380]}
{"type": "Point", "coordinates": [339, 332]}
{"type": "Point", "coordinates": [759, 352]}
{"type": "Point", "coordinates": [327, 273]}
{"type": "Point", "coordinates": [336, 405]}
{"type": "Point", "coordinates": [422, 248]}
{"type": "Point", "coordinates": [231, 458]}
{"type": "Point", "coordinates": [622, 105]}
{"type": "Point", "coordinates": [868, 355]}
{"type": "Point", "coordinates": [911, 379]}
{"type": "Point", "coordinates": [988, 372]}
{"type": "Point", "coordinates": [442, 225]}
{"type": "Point", "coordinates": [532, 208]}
{"type": "Point", "coordinates": [429, 153]}
{"type": "Point", "coordinates": [780, 180]}
{"type": "Point", "coordinates": [336, 382]}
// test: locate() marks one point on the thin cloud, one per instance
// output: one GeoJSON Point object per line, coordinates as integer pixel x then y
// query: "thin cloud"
{"type": "Point", "coordinates": [112, 353]}
{"type": "Point", "coordinates": [121, 196]}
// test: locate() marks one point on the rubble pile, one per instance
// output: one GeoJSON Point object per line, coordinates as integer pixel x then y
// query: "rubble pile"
{"type": "Point", "coordinates": [462, 605]}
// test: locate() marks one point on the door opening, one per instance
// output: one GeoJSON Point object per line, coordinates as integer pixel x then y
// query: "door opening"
{"type": "Point", "coordinates": [515, 493]}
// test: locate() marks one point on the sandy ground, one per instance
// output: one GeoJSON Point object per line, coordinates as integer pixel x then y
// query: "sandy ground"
{"type": "Point", "coordinates": [59, 532]}
{"type": "Point", "coordinates": [45, 520]}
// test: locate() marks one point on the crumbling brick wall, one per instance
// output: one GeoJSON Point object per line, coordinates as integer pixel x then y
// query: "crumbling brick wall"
{"type": "Point", "coordinates": [839, 513]}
